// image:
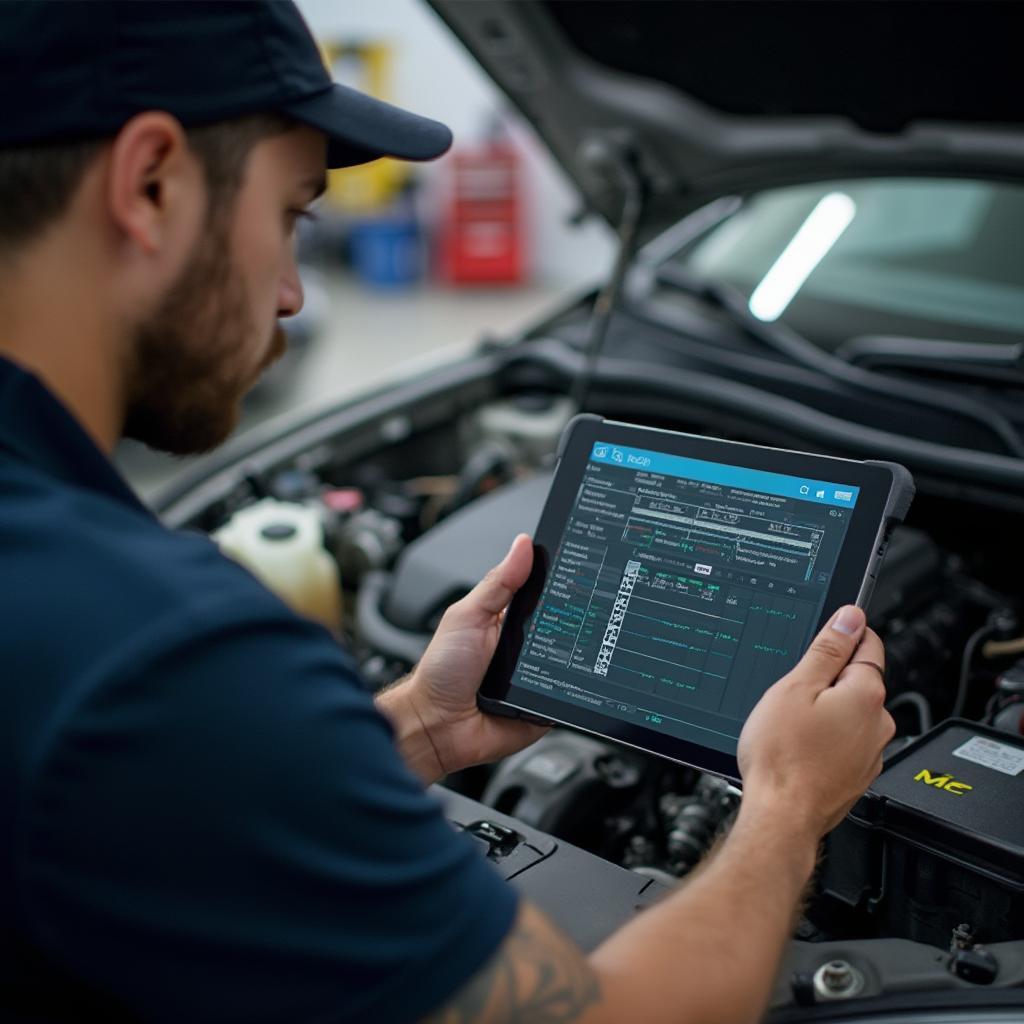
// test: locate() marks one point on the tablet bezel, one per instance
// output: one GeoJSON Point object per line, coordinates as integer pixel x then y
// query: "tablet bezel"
{"type": "Point", "coordinates": [872, 519]}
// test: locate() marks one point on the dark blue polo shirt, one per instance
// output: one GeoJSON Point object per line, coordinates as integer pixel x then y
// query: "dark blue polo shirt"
{"type": "Point", "coordinates": [204, 817]}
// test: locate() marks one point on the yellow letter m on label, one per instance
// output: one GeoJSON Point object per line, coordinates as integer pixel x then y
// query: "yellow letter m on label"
{"type": "Point", "coordinates": [944, 782]}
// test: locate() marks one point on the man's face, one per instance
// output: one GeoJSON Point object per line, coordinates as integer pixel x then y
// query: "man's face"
{"type": "Point", "coordinates": [215, 330]}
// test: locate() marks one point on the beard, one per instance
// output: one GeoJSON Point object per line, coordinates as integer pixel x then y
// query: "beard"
{"type": "Point", "coordinates": [188, 375]}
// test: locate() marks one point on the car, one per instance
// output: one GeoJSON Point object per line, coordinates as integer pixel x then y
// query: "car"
{"type": "Point", "coordinates": [818, 209]}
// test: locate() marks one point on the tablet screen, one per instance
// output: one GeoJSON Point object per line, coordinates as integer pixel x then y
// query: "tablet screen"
{"type": "Point", "coordinates": [681, 589]}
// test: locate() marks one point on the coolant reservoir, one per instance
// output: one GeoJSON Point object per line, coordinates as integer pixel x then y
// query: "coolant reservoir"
{"type": "Point", "coordinates": [281, 542]}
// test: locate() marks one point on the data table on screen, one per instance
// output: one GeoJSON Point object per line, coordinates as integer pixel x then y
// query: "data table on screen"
{"type": "Point", "coordinates": [675, 600]}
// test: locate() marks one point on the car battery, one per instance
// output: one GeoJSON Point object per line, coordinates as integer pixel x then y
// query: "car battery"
{"type": "Point", "coordinates": [938, 840]}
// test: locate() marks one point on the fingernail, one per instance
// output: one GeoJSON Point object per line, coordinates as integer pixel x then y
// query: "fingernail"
{"type": "Point", "coordinates": [849, 620]}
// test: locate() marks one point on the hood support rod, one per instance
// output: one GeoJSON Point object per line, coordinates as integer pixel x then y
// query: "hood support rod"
{"type": "Point", "coordinates": [616, 164]}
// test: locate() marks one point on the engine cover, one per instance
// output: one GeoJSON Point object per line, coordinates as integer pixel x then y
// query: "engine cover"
{"type": "Point", "coordinates": [449, 560]}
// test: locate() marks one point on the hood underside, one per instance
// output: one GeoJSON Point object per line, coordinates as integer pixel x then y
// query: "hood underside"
{"type": "Point", "coordinates": [718, 97]}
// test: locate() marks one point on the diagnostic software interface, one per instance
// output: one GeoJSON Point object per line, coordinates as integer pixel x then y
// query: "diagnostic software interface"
{"type": "Point", "coordinates": [681, 589]}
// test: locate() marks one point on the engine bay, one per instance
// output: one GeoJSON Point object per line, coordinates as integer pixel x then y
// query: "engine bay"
{"type": "Point", "coordinates": [418, 501]}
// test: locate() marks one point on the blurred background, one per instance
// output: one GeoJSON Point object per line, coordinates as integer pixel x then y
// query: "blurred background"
{"type": "Point", "coordinates": [406, 265]}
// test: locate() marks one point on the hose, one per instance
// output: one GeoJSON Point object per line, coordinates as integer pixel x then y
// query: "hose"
{"type": "Point", "coordinates": [376, 631]}
{"type": "Point", "coordinates": [915, 700]}
{"type": "Point", "coordinates": [1001, 648]}
{"type": "Point", "coordinates": [965, 667]}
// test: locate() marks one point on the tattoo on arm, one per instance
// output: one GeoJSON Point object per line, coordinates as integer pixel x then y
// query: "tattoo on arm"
{"type": "Point", "coordinates": [538, 976]}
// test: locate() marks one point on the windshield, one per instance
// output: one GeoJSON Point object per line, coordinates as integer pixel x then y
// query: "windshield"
{"type": "Point", "coordinates": [909, 257]}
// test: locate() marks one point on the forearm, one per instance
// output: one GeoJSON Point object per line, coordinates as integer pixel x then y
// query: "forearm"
{"type": "Point", "coordinates": [411, 734]}
{"type": "Point", "coordinates": [710, 952]}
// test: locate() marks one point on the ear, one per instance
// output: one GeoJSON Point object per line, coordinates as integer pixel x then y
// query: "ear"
{"type": "Point", "coordinates": [155, 188]}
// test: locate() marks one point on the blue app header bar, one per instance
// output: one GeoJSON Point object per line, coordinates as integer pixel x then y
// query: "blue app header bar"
{"type": "Point", "coordinates": [821, 492]}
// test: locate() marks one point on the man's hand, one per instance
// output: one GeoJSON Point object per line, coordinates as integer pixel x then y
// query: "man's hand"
{"type": "Point", "coordinates": [814, 742]}
{"type": "Point", "coordinates": [709, 952]}
{"type": "Point", "coordinates": [440, 695]}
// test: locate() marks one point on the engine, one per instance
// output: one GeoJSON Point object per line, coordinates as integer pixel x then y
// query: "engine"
{"type": "Point", "coordinates": [412, 527]}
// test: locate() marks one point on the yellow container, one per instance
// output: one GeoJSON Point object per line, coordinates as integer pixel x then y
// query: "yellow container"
{"type": "Point", "coordinates": [281, 543]}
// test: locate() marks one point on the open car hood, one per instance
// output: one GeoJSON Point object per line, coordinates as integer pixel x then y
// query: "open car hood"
{"type": "Point", "coordinates": [718, 97]}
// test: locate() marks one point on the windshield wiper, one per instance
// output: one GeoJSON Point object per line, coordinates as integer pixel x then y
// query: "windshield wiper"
{"type": "Point", "coordinates": [787, 342]}
{"type": "Point", "coordinates": [961, 359]}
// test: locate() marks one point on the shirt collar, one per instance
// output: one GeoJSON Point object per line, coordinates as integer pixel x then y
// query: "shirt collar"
{"type": "Point", "coordinates": [37, 428]}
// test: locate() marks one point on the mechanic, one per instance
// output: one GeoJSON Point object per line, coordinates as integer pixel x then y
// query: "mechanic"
{"type": "Point", "coordinates": [207, 817]}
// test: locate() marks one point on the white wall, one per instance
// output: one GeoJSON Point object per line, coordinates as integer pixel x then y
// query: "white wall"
{"type": "Point", "coordinates": [435, 76]}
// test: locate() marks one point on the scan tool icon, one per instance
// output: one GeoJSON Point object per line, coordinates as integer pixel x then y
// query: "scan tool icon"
{"type": "Point", "coordinates": [601, 451]}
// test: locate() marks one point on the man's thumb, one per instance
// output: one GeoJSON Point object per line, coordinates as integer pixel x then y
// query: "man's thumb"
{"type": "Point", "coordinates": [495, 590]}
{"type": "Point", "coordinates": [832, 648]}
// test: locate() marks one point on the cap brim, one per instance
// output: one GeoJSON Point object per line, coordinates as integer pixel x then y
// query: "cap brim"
{"type": "Point", "coordinates": [360, 128]}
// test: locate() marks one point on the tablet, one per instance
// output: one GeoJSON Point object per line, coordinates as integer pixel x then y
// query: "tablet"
{"type": "Point", "coordinates": [676, 577]}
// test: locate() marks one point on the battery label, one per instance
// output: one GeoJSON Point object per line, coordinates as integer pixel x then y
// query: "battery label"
{"type": "Point", "coordinates": [999, 756]}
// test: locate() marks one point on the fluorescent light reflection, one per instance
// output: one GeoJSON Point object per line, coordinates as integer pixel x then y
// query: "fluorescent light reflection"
{"type": "Point", "coordinates": [807, 248]}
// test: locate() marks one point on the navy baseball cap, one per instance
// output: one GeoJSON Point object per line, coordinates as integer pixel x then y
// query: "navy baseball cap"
{"type": "Point", "coordinates": [80, 69]}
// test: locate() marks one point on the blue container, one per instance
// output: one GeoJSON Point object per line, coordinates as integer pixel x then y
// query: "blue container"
{"type": "Point", "coordinates": [387, 252]}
